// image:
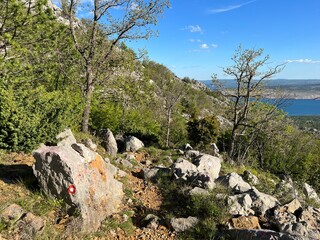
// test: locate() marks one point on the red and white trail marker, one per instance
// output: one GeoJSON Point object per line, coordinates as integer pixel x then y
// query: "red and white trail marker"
{"type": "Point", "coordinates": [72, 189]}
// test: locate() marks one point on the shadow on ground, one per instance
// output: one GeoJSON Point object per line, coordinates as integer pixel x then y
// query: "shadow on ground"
{"type": "Point", "coordinates": [18, 173]}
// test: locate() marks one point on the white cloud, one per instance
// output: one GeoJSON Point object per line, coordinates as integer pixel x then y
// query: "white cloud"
{"type": "Point", "coordinates": [194, 29]}
{"type": "Point", "coordinates": [204, 46]}
{"type": "Point", "coordinates": [214, 45]}
{"type": "Point", "coordinates": [195, 40]}
{"type": "Point", "coordinates": [229, 8]}
{"type": "Point", "coordinates": [308, 61]}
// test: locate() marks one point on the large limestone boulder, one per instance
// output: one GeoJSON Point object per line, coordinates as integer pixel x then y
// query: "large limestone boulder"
{"type": "Point", "coordinates": [132, 144]}
{"type": "Point", "coordinates": [183, 169]}
{"type": "Point", "coordinates": [235, 182]}
{"type": "Point", "coordinates": [261, 202]}
{"type": "Point", "coordinates": [81, 178]}
{"type": "Point", "coordinates": [208, 165]}
{"type": "Point", "coordinates": [109, 143]}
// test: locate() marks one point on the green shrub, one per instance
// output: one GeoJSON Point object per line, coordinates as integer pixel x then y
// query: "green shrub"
{"type": "Point", "coordinates": [203, 132]}
{"type": "Point", "coordinates": [28, 118]}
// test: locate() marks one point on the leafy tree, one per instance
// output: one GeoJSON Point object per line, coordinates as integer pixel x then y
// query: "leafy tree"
{"type": "Point", "coordinates": [96, 39]}
{"type": "Point", "coordinates": [249, 79]}
{"type": "Point", "coordinates": [169, 91]}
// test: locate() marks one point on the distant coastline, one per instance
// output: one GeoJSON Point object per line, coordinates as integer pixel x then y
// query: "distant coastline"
{"type": "Point", "coordinates": [289, 88]}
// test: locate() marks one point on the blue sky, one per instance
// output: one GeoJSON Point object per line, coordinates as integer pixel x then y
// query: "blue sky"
{"type": "Point", "coordinates": [198, 37]}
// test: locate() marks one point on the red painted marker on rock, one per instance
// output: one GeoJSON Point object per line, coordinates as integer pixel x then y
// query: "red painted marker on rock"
{"type": "Point", "coordinates": [72, 189]}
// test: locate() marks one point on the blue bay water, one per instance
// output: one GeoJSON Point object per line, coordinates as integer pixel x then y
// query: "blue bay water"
{"type": "Point", "coordinates": [302, 107]}
{"type": "Point", "coordinates": [294, 107]}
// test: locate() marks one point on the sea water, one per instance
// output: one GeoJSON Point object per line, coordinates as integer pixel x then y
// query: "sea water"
{"type": "Point", "coordinates": [301, 107]}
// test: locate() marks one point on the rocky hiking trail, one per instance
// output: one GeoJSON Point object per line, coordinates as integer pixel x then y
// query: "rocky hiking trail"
{"type": "Point", "coordinates": [17, 184]}
{"type": "Point", "coordinates": [135, 196]}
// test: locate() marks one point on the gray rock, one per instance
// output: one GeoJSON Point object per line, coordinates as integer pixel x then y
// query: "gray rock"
{"type": "Point", "coordinates": [295, 228]}
{"type": "Point", "coordinates": [66, 138]}
{"type": "Point", "coordinates": [188, 147]}
{"type": "Point", "coordinates": [97, 194]}
{"type": "Point", "coordinates": [109, 143]}
{"type": "Point", "coordinates": [251, 202]}
{"type": "Point", "coordinates": [124, 162]}
{"type": "Point", "coordinates": [250, 178]}
{"type": "Point", "coordinates": [224, 123]}
{"type": "Point", "coordinates": [183, 169]}
{"type": "Point", "coordinates": [203, 180]}
{"type": "Point", "coordinates": [199, 191]}
{"type": "Point", "coordinates": [215, 150]}
{"type": "Point", "coordinates": [261, 201]}
{"type": "Point", "coordinates": [311, 216]}
{"type": "Point", "coordinates": [25, 225]}
{"type": "Point", "coordinates": [12, 212]}
{"type": "Point", "coordinates": [286, 188]}
{"type": "Point", "coordinates": [130, 156]}
{"type": "Point", "coordinates": [113, 170]}
{"type": "Point", "coordinates": [183, 224]}
{"type": "Point", "coordinates": [149, 173]}
{"type": "Point", "coordinates": [258, 234]}
{"type": "Point", "coordinates": [90, 144]}
{"type": "Point", "coordinates": [240, 205]}
{"type": "Point", "coordinates": [86, 154]}
{"type": "Point", "coordinates": [191, 154]}
{"type": "Point", "coordinates": [153, 173]}
{"type": "Point", "coordinates": [310, 193]}
{"type": "Point", "coordinates": [151, 221]}
{"type": "Point", "coordinates": [132, 144]}
{"type": "Point", "coordinates": [209, 165]}
{"type": "Point", "coordinates": [36, 222]}
{"type": "Point", "coordinates": [235, 182]}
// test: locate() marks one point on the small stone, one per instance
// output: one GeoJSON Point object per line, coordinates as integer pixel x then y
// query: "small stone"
{"type": "Point", "coordinates": [13, 212]}
{"type": "Point", "coordinates": [183, 224]}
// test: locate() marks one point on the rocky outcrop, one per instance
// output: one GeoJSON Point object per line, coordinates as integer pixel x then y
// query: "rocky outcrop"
{"type": "Point", "coordinates": [251, 202]}
{"type": "Point", "coordinates": [202, 172]}
{"type": "Point", "coordinates": [80, 177]}
{"type": "Point", "coordinates": [109, 143]}
{"type": "Point", "coordinates": [291, 219]}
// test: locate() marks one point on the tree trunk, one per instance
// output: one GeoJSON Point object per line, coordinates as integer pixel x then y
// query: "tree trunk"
{"type": "Point", "coordinates": [168, 127]}
{"type": "Point", "coordinates": [88, 100]}
{"type": "Point", "coordinates": [232, 144]}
